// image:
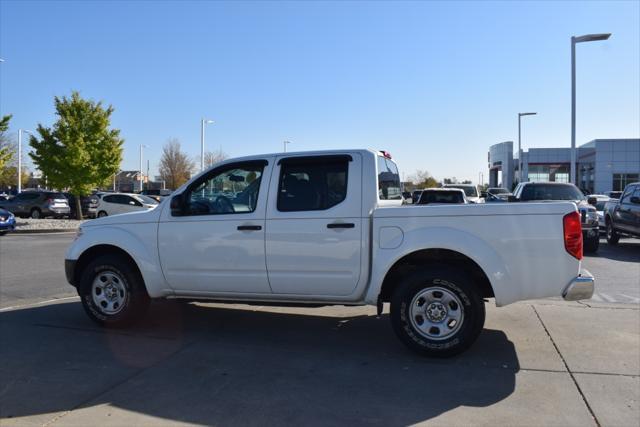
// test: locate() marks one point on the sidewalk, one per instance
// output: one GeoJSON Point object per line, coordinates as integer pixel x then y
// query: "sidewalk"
{"type": "Point", "coordinates": [542, 363]}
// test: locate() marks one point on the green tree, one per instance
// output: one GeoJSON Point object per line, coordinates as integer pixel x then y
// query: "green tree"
{"type": "Point", "coordinates": [81, 151]}
{"type": "Point", "coordinates": [6, 152]}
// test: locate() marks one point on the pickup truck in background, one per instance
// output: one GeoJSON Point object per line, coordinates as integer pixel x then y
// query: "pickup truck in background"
{"type": "Point", "coordinates": [329, 228]}
{"type": "Point", "coordinates": [622, 216]}
{"type": "Point", "coordinates": [544, 192]}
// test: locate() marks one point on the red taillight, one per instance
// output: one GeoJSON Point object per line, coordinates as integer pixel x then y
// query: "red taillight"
{"type": "Point", "coordinates": [50, 201]}
{"type": "Point", "coordinates": [573, 234]}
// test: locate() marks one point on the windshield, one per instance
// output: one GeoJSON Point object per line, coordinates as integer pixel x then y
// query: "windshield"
{"type": "Point", "coordinates": [146, 199]}
{"type": "Point", "coordinates": [551, 192]}
{"type": "Point", "coordinates": [469, 190]}
{"type": "Point", "coordinates": [600, 205]}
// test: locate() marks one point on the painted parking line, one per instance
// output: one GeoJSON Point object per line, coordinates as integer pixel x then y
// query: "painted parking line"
{"type": "Point", "coordinates": [36, 304]}
{"type": "Point", "coordinates": [615, 298]}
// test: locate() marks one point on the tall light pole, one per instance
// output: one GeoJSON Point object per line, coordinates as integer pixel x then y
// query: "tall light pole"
{"type": "Point", "coordinates": [284, 143]}
{"type": "Point", "coordinates": [520, 145]}
{"type": "Point", "coordinates": [574, 40]}
{"type": "Point", "coordinates": [20, 132]}
{"type": "Point", "coordinates": [141, 178]}
{"type": "Point", "coordinates": [203, 123]}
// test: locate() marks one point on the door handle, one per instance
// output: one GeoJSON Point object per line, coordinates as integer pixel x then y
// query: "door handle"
{"type": "Point", "coordinates": [249, 227]}
{"type": "Point", "coordinates": [341, 225]}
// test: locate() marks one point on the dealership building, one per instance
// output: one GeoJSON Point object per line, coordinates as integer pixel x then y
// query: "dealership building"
{"type": "Point", "coordinates": [602, 164]}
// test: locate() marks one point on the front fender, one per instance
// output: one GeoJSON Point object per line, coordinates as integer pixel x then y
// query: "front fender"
{"type": "Point", "coordinates": [452, 239]}
{"type": "Point", "coordinates": [141, 247]}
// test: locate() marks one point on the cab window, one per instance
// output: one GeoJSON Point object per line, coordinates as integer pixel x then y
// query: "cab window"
{"type": "Point", "coordinates": [388, 180]}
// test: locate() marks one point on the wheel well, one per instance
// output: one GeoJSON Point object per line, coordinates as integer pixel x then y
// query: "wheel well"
{"type": "Point", "coordinates": [96, 251]}
{"type": "Point", "coordinates": [409, 263]}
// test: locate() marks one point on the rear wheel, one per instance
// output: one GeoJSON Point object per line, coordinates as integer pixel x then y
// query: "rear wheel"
{"type": "Point", "coordinates": [112, 291]}
{"type": "Point", "coordinates": [612, 236]}
{"type": "Point", "coordinates": [592, 244]}
{"type": "Point", "coordinates": [437, 312]}
{"type": "Point", "coordinates": [102, 214]}
{"type": "Point", "coordinates": [35, 213]}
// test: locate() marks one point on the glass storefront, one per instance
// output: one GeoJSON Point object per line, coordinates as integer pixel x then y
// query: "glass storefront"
{"type": "Point", "coordinates": [546, 173]}
{"type": "Point", "coordinates": [620, 180]}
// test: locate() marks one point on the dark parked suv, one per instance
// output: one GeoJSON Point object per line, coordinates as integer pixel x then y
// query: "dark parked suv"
{"type": "Point", "coordinates": [88, 204]}
{"type": "Point", "coordinates": [556, 191]}
{"type": "Point", "coordinates": [622, 216]}
{"type": "Point", "coordinates": [37, 204]}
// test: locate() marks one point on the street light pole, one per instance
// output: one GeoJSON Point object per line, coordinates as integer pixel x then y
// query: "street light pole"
{"type": "Point", "coordinates": [203, 123]}
{"type": "Point", "coordinates": [574, 40]}
{"type": "Point", "coordinates": [520, 144]}
{"type": "Point", "coordinates": [284, 143]}
{"type": "Point", "coordinates": [141, 178]}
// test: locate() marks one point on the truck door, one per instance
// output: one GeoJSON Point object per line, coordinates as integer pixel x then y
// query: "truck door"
{"type": "Point", "coordinates": [314, 225]}
{"type": "Point", "coordinates": [215, 242]}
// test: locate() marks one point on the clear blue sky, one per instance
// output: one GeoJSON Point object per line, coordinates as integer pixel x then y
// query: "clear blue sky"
{"type": "Point", "coordinates": [434, 83]}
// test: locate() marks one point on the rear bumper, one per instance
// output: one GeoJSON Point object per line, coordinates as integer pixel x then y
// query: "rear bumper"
{"type": "Point", "coordinates": [580, 288]}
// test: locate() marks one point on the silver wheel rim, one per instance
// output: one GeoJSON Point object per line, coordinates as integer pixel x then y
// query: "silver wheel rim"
{"type": "Point", "coordinates": [108, 292]}
{"type": "Point", "coordinates": [35, 214]}
{"type": "Point", "coordinates": [436, 313]}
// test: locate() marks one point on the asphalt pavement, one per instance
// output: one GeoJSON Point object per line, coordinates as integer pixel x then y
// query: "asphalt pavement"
{"type": "Point", "coordinates": [545, 362]}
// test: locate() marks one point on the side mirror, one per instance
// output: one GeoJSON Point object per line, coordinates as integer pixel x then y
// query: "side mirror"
{"type": "Point", "coordinates": [176, 205]}
{"type": "Point", "coordinates": [592, 201]}
{"type": "Point", "coordinates": [635, 200]}
{"type": "Point", "coordinates": [512, 198]}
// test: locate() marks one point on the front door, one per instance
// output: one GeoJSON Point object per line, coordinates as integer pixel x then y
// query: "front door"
{"type": "Point", "coordinates": [215, 242]}
{"type": "Point", "coordinates": [314, 225]}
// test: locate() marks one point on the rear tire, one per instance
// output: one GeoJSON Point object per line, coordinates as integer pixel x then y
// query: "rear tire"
{"type": "Point", "coordinates": [612, 236]}
{"type": "Point", "coordinates": [35, 213]}
{"type": "Point", "coordinates": [591, 245]}
{"type": "Point", "coordinates": [437, 312]}
{"type": "Point", "coordinates": [113, 292]}
{"type": "Point", "coordinates": [102, 214]}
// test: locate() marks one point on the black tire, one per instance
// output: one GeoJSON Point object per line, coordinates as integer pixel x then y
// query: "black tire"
{"type": "Point", "coordinates": [3, 232]}
{"type": "Point", "coordinates": [612, 236]}
{"type": "Point", "coordinates": [434, 279]}
{"type": "Point", "coordinates": [35, 213]}
{"type": "Point", "coordinates": [592, 244]}
{"type": "Point", "coordinates": [136, 299]}
{"type": "Point", "coordinates": [102, 214]}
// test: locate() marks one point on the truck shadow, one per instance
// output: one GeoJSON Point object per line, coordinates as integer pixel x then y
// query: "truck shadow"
{"type": "Point", "coordinates": [238, 366]}
{"type": "Point", "coordinates": [627, 250]}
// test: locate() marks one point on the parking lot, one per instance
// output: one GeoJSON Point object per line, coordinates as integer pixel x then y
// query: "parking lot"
{"type": "Point", "coordinates": [543, 362]}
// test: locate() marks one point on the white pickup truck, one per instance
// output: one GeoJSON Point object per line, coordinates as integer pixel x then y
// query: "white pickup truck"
{"type": "Point", "coordinates": [329, 228]}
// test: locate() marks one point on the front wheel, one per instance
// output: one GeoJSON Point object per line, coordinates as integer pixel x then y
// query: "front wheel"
{"type": "Point", "coordinates": [612, 236]}
{"type": "Point", "coordinates": [437, 312]}
{"type": "Point", "coordinates": [112, 291]}
{"type": "Point", "coordinates": [102, 214]}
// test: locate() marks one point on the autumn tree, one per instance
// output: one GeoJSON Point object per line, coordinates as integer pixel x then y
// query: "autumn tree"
{"type": "Point", "coordinates": [213, 157]}
{"type": "Point", "coordinates": [175, 166]}
{"type": "Point", "coordinates": [423, 179]}
{"type": "Point", "coordinates": [81, 150]}
{"type": "Point", "coordinates": [8, 157]}
{"type": "Point", "coordinates": [6, 152]}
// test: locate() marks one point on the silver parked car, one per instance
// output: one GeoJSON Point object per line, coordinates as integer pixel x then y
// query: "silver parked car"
{"type": "Point", "coordinates": [38, 204]}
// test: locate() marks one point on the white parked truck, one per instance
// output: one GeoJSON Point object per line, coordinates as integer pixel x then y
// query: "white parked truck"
{"type": "Point", "coordinates": [329, 228]}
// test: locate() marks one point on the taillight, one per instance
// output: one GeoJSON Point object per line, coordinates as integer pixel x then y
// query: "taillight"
{"type": "Point", "coordinates": [573, 234]}
{"type": "Point", "coordinates": [50, 201]}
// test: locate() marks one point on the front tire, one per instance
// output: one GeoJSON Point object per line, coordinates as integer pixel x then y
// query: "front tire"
{"type": "Point", "coordinates": [612, 236]}
{"type": "Point", "coordinates": [113, 292]}
{"type": "Point", "coordinates": [437, 312]}
{"type": "Point", "coordinates": [102, 214]}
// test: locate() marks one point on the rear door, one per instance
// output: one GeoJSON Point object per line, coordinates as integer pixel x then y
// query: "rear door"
{"type": "Point", "coordinates": [313, 226]}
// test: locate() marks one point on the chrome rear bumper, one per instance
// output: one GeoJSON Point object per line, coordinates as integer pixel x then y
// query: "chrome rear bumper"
{"type": "Point", "coordinates": [580, 288]}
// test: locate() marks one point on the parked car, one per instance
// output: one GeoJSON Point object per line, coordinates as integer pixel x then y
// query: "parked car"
{"type": "Point", "coordinates": [88, 204]}
{"type": "Point", "coordinates": [470, 192]}
{"type": "Point", "coordinates": [601, 201]}
{"type": "Point", "coordinates": [415, 196]}
{"type": "Point", "coordinates": [557, 191]}
{"type": "Point", "coordinates": [622, 216]}
{"type": "Point", "coordinates": [407, 196]}
{"type": "Point", "coordinates": [118, 203]}
{"type": "Point", "coordinates": [312, 228]}
{"type": "Point", "coordinates": [497, 194]}
{"type": "Point", "coordinates": [437, 196]}
{"type": "Point", "coordinates": [38, 204]}
{"type": "Point", "coordinates": [7, 222]}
